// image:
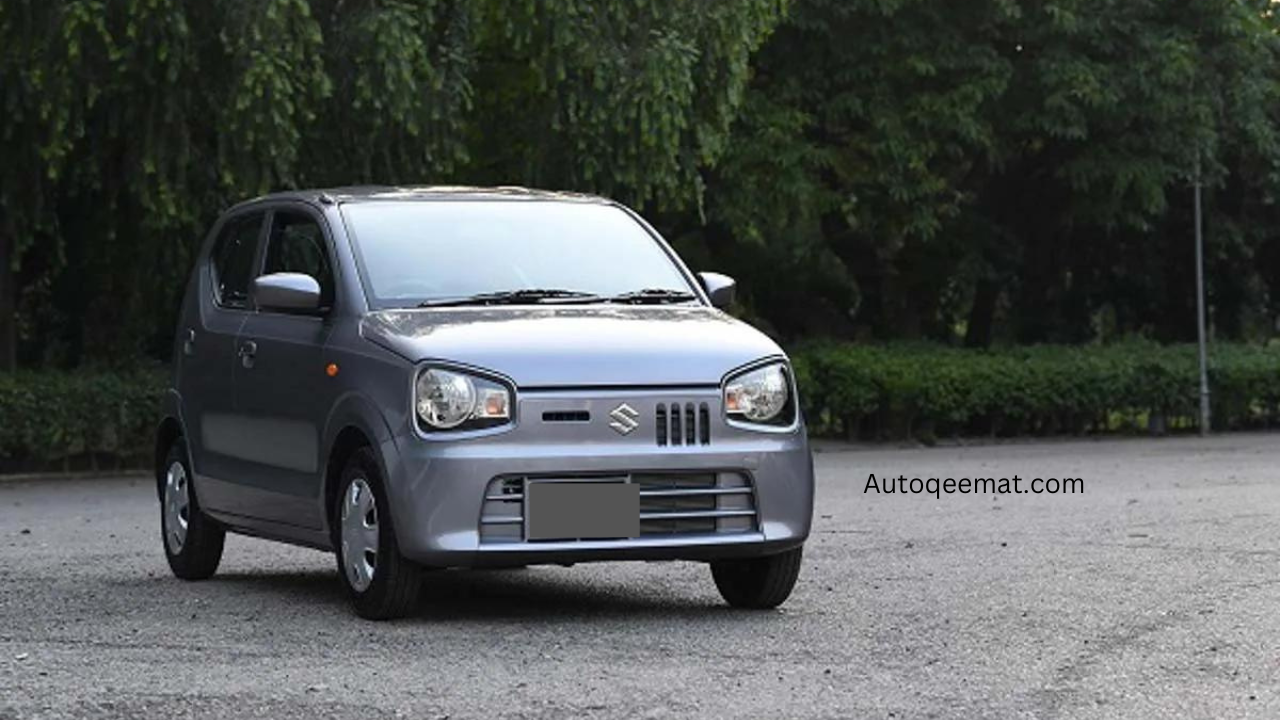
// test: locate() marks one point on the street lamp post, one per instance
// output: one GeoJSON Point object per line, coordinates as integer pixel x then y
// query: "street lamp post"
{"type": "Point", "coordinates": [1200, 325]}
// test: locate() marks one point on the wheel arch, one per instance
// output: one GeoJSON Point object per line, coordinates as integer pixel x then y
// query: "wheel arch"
{"type": "Point", "coordinates": [349, 441]}
{"type": "Point", "coordinates": [166, 434]}
{"type": "Point", "coordinates": [168, 431]}
{"type": "Point", "coordinates": [354, 424]}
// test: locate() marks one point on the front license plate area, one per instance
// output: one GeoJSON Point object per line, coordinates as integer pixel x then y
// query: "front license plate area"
{"type": "Point", "coordinates": [581, 510]}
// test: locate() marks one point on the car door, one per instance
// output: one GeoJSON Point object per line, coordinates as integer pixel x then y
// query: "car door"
{"type": "Point", "coordinates": [206, 353]}
{"type": "Point", "coordinates": [283, 391]}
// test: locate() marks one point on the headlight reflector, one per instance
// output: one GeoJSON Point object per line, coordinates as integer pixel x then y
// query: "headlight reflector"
{"type": "Point", "coordinates": [445, 400]}
{"type": "Point", "coordinates": [759, 395]}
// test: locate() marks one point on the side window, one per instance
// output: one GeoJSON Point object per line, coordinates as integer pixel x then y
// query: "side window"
{"type": "Point", "coordinates": [296, 244]}
{"type": "Point", "coordinates": [233, 255]}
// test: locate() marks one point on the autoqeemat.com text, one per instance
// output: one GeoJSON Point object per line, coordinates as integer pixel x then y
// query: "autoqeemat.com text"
{"type": "Point", "coordinates": [937, 487]}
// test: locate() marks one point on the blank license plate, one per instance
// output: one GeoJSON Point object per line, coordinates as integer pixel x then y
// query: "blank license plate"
{"type": "Point", "coordinates": [582, 510]}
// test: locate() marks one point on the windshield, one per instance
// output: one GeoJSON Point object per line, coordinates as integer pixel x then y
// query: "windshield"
{"type": "Point", "coordinates": [442, 251]}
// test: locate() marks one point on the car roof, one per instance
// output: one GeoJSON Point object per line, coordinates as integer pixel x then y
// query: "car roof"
{"type": "Point", "coordinates": [362, 193]}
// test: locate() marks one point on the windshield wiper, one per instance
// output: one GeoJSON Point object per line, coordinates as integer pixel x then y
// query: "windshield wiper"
{"type": "Point", "coordinates": [653, 296]}
{"type": "Point", "coordinates": [647, 296]}
{"type": "Point", "coordinates": [516, 297]}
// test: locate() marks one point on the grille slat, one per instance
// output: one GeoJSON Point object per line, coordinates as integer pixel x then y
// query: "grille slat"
{"type": "Point", "coordinates": [502, 520]}
{"type": "Point", "coordinates": [675, 492]}
{"type": "Point", "coordinates": [692, 514]}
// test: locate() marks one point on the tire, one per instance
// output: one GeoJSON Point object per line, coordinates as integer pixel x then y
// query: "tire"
{"type": "Point", "coordinates": [381, 583]}
{"type": "Point", "coordinates": [195, 550]}
{"type": "Point", "coordinates": [758, 583]}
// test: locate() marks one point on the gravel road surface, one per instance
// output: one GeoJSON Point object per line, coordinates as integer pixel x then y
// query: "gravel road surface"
{"type": "Point", "coordinates": [1155, 593]}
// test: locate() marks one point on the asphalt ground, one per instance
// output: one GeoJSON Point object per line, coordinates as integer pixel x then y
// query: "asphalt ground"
{"type": "Point", "coordinates": [1153, 593]}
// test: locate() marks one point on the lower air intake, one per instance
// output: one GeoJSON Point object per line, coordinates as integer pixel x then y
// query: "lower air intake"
{"type": "Point", "coordinates": [671, 505]}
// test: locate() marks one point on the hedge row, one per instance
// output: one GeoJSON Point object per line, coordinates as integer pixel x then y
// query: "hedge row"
{"type": "Point", "coordinates": [922, 391]}
{"type": "Point", "coordinates": [91, 420]}
{"type": "Point", "coordinates": [104, 420]}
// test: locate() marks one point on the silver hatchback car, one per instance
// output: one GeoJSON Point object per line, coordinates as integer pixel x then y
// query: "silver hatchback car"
{"type": "Point", "coordinates": [421, 378]}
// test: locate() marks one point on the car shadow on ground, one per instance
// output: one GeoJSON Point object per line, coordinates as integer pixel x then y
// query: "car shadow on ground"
{"type": "Point", "coordinates": [487, 595]}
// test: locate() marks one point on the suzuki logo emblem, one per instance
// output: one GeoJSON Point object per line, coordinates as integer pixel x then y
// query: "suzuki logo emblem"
{"type": "Point", "coordinates": [625, 419]}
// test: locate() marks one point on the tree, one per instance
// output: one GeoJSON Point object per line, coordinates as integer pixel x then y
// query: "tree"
{"type": "Point", "coordinates": [129, 124]}
{"type": "Point", "coordinates": [891, 105]}
{"type": "Point", "coordinates": [1000, 170]}
{"type": "Point", "coordinates": [985, 171]}
{"type": "Point", "coordinates": [1110, 107]}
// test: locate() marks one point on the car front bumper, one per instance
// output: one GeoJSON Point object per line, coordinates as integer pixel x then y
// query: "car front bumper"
{"type": "Point", "coordinates": [438, 489]}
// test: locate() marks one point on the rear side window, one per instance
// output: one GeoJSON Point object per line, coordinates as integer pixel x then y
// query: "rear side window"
{"type": "Point", "coordinates": [297, 245]}
{"type": "Point", "coordinates": [233, 255]}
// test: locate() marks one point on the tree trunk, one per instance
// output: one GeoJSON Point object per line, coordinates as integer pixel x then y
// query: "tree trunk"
{"type": "Point", "coordinates": [8, 296]}
{"type": "Point", "coordinates": [982, 314]}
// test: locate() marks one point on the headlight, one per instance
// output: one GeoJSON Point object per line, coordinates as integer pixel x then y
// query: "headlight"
{"type": "Point", "coordinates": [761, 396]}
{"type": "Point", "coordinates": [447, 400]}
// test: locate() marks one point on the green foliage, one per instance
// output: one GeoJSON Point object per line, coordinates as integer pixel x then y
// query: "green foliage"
{"type": "Point", "coordinates": [629, 99]}
{"type": "Point", "coordinates": [102, 419]}
{"type": "Point", "coordinates": [984, 171]}
{"type": "Point", "coordinates": [1039, 154]}
{"type": "Point", "coordinates": [402, 73]}
{"type": "Point", "coordinates": [923, 390]}
{"type": "Point", "coordinates": [126, 126]}
{"type": "Point", "coordinates": [273, 52]}
{"type": "Point", "coordinates": [97, 420]}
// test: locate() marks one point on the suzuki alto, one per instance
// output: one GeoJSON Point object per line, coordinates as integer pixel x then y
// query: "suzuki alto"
{"type": "Point", "coordinates": [428, 378]}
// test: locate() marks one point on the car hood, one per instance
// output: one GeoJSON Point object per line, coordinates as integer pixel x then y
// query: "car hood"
{"type": "Point", "coordinates": [576, 346]}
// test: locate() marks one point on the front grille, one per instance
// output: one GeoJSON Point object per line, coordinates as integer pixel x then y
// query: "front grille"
{"type": "Point", "coordinates": [671, 505]}
{"type": "Point", "coordinates": [683, 424]}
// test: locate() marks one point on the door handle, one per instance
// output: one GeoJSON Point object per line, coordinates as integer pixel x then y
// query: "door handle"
{"type": "Point", "coordinates": [189, 342]}
{"type": "Point", "coordinates": [248, 349]}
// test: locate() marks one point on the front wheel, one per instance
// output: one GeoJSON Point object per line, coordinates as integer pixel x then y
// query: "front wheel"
{"type": "Point", "coordinates": [192, 540]}
{"type": "Point", "coordinates": [381, 583]}
{"type": "Point", "coordinates": [758, 583]}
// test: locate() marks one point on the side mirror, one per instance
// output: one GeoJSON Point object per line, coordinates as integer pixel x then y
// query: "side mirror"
{"type": "Point", "coordinates": [286, 291]}
{"type": "Point", "coordinates": [720, 288]}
